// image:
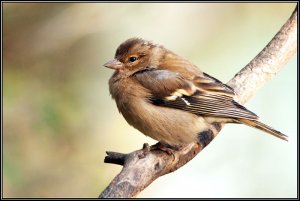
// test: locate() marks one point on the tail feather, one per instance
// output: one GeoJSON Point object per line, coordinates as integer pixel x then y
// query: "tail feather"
{"type": "Point", "coordinates": [264, 127]}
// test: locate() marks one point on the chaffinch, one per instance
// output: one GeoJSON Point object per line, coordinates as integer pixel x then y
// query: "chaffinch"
{"type": "Point", "coordinates": [168, 98]}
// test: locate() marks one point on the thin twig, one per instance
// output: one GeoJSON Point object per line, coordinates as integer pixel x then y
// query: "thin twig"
{"type": "Point", "coordinates": [115, 158]}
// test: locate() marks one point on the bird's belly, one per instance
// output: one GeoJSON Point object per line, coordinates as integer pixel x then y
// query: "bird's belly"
{"type": "Point", "coordinates": [166, 125]}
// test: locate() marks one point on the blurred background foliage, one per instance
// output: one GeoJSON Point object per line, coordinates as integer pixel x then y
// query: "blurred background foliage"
{"type": "Point", "coordinates": [59, 118]}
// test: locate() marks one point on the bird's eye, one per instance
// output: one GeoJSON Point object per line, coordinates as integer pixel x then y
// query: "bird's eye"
{"type": "Point", "coordinates": [132, 59]}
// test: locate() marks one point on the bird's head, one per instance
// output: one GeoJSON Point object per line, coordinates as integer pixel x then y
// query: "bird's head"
{"type": "Point", "coordinates": [136, 54]}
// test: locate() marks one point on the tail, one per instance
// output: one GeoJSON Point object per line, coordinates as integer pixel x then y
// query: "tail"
{"type": "Point", "coordinates": [263, 127]}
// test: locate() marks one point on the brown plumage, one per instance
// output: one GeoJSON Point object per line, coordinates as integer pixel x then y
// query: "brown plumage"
{"type": "Point", "coordinates": [168, 98]}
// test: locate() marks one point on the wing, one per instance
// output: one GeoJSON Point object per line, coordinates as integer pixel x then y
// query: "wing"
{"type": "Point", "coordinates": [203, 95]}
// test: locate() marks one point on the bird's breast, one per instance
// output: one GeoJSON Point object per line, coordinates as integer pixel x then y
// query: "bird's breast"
{"type": "Point", "coordinates": [163, 124]}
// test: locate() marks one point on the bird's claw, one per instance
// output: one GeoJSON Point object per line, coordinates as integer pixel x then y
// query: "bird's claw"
{"type": "Point", "coordinates": [169, 149]}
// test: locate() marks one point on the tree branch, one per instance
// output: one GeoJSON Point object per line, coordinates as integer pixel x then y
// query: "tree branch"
{"type": "Point", "coordinates": [142, 167]}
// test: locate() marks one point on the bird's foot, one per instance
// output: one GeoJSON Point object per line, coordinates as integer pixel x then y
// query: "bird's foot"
{"type": "Point", "coordinates": [169, 149]}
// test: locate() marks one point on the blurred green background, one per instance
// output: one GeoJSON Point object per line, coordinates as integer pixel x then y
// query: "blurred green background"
{"type": "Point", "coordinates": [59, 119]}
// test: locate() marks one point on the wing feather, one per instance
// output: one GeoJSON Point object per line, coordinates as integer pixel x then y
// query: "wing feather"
{"type": "Point", "coordinates": [202, 95]}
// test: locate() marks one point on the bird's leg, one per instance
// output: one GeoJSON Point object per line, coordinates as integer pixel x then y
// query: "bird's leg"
{"type": "Point", "coordinates": [169, 149]}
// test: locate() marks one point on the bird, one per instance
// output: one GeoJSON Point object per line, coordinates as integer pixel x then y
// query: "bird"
{"type": "Point", "coordinates": [169, 99]}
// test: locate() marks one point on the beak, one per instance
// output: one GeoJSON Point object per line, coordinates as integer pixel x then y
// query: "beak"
{"type": "Point", "coordinates": [114, 64]}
